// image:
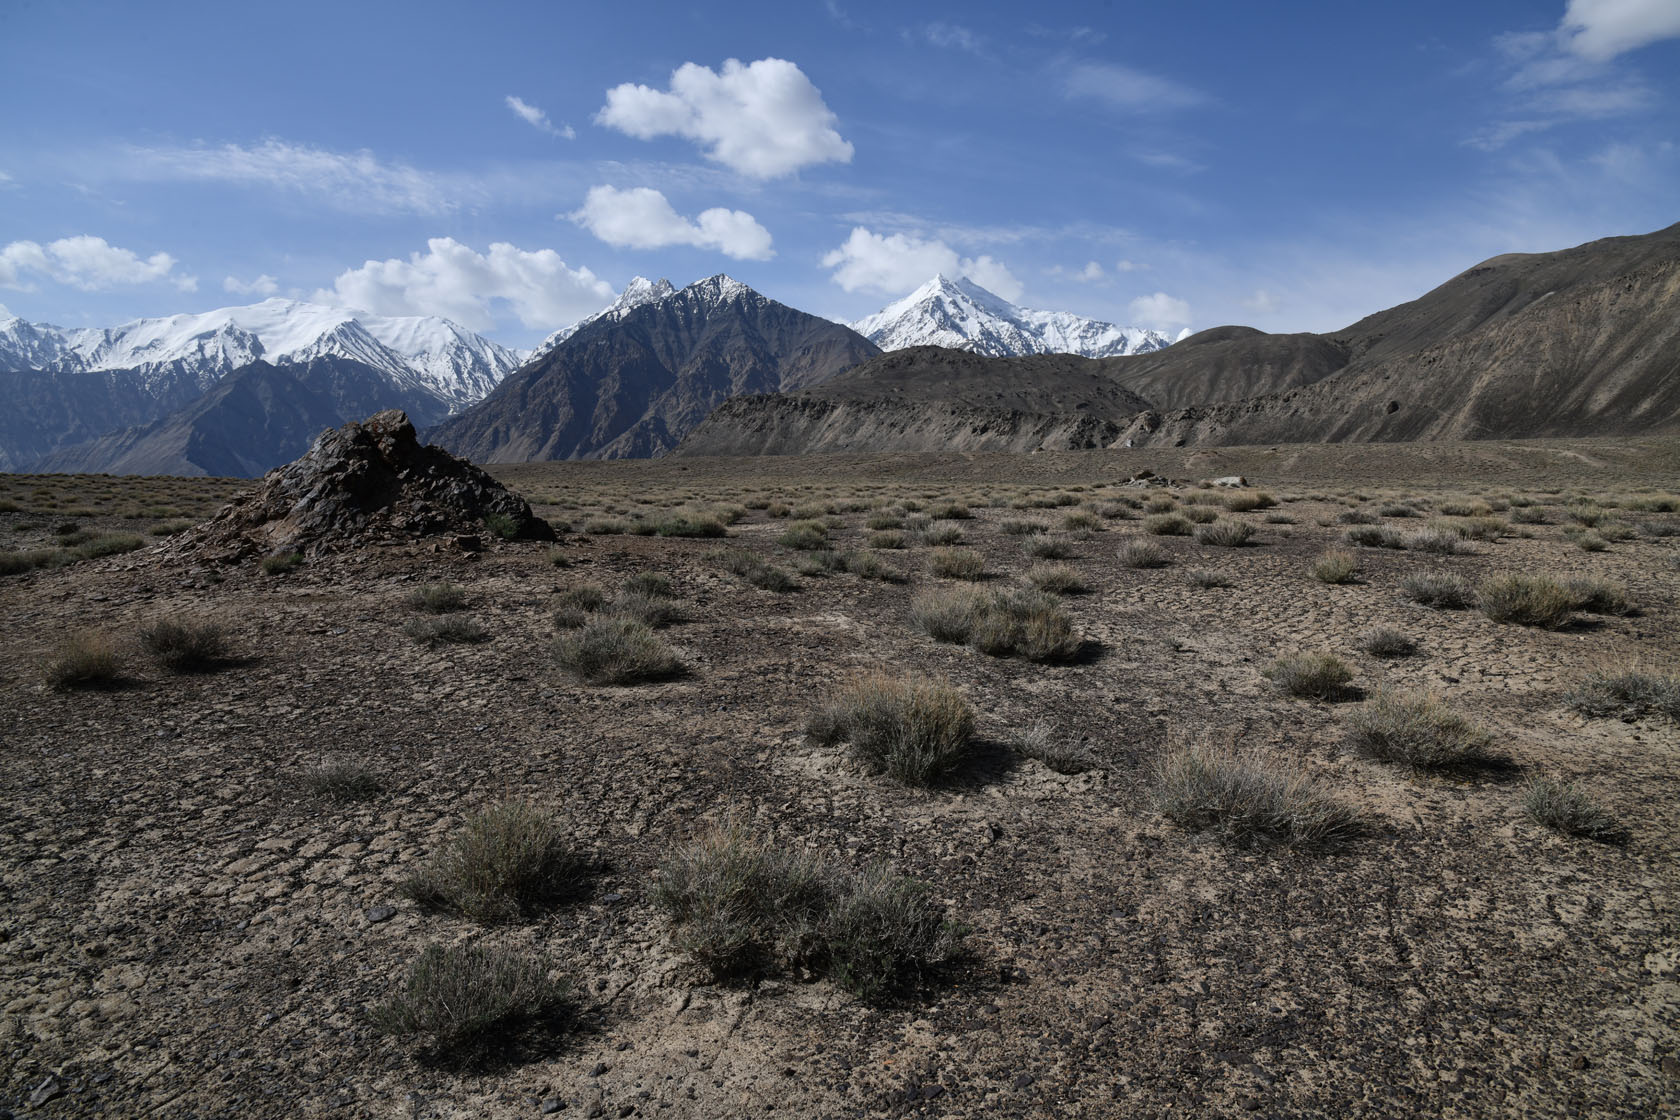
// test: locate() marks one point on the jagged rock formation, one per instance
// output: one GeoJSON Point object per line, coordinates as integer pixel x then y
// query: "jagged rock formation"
{"type": "Point", "coordinates": [359, 483]}
{"type": "Point", "coordinates": [633, 384]}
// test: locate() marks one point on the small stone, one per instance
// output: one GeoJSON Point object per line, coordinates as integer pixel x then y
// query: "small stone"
{"type": "Point", "coordinates": [1671, 1066]}
{"type": "Point", "coordinates": [381, 913]}
{"type": "Point", "coordinates": [600, 1068]}
{"type": "Point", "coordinates": [932, 1092]}
{"type": "Point", "coordinates": [551, 1106]}
{"type": "Point", "coordinates": [614, 897]}
{"type": "Point", "coordinates": [46, 1091]}
{"type": "Point", "coordinates": [1577, 1062]}
{"type": "Point", "coordinates": [625, 1110]}
{"type": "Point", "coordinates": [1022, 1081]}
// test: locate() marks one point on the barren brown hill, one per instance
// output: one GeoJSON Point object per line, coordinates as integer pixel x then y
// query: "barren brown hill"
{"type": "Point", "coordinates": [1581, 342]}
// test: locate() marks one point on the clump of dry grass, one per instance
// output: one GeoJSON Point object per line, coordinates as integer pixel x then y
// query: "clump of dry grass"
{"type": "Point", "coordinates": [616, 651]}
{"type": "Point", "coordinates": [1248, 501]}
{"type": "Point", "coordinates": [185, 646]}
{"type": "Point", "coordinates": [505, 862]}
{"type": "Point", "coordinates": [741, 907]}
{"type": "Point", "coordinates": [1024, 623]}
{"type": "Point", "coordinates": [1564, 807]}
{"type": "Point", "coordinates": [437, 598]}
{"type": "Point", "coordinates": [1415, 729]}
{"type": "Point", "coordinates": [1441, 590]}
{"type": "Point", "coordinates": [1336, 566]}
{"type": "Point", "coordinates": [1140, 552]}
{"type": "Point", "coordinates": [1526, 600]}
{"type": "Point", "coordinates": [84, 661]}
{"type": "Point", "coordinates": [1599, 596]}
{"type": "Point", "coordinates": [1060, 754]}
{"type": "Point", "coordinates": [342, 778]}
{"type": "Point", "coordinates": [446, 631]}
{"type": "Point", "coordinates": [1059, 579]}
{"type": "Point", "coordinates": [914, 729]}
{"type": "Point", "coordinates": [1241, 797]}
{"type": "Point", "coordinates": [467, 998]}
{"type": "Point", "coordinates": [1385, 641]}
{"type": "Point", "coordinates": [1375, 536]}
{"type": "Point", "coordinates": [1206, 578]}
{"type": "Point", "coordinates": [956, 563]}
{"type": "Point", "coordinates": [1628, 692]}
{"type": "Point", "coordinates": [1315, 676]}
{"type": "Point", "coordinates": [1047, 548]}
{"type": "Point", "coordinates": [1167, 525]}
{"type": "Point", "coordinates": [1224, 533]}
{"type": "Point", "coordinates": [754, 570]}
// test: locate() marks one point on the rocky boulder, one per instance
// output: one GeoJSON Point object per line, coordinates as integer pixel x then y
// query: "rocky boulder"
{"type": "Point", "coordinates": [360, 483]}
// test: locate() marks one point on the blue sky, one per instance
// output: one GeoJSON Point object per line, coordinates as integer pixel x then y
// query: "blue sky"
{"type": "Point", "coordinates": [1290, 166]}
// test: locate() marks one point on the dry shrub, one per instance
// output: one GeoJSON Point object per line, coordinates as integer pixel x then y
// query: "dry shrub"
{"type": "Point", "coordinates": [1205, 578]}
{"type": "Point", "coordinates": [505, 863]}
{"type": "Point", "coordinates": [1564, 807]}
{"type": "Point", "coordinates": [1315, 676]}
{"type": "Point", "coordinates": [1241, 797]}
{"type": "Point", "coordinates": [956, 563]}
{"type": "Point", "coordinates": [616, 651]}
{"type": "Point", "coordinates": [1417, 730]}
{"type": "Point", "coordinates": [1059, 579]}
{"type": "Point", "coordinates": [1224, 534]}
{"type": "Point", "coordinates": [445, 631]}
{"type": "Point", "coordinates": [1140, 552]}
{"type": "Point", "coordinates": [912, 729]}
{"type": "Point", "coordinates": [1628, 692]}
{"type": "Point", "coordinates": [1441, 590]}
{"type": "Point", "coordinates": [1336, 566]}
{"type": "Point", "coordinates": [470, 998]}
{"type": "Point", "coordinates": [437, 598]}
{"type": "Point", "coordinates": [84, 661]}
{"type": "Point", "coordinates": [1166, 525]}
{"type": "Point", "coordinates": [1385, 641]}
{"type": "Point", "coordinates": [185, 646]}
{"type": "Point", "coordinates": [1061, 755]}
{"type": "Point", "coordinates": [1526, 600]}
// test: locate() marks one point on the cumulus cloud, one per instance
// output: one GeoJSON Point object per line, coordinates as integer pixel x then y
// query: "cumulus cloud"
{"type": "Point", "coordinates": [1125, 87]}
{"type": "Point", "coordinates": [1602, 29]}
{"type": "Point", "coordinates": [898, 262]}
{"type": "Point", "coordinates": [1124, 265]}
{"type": "Point", "coordinates": [642, 218]}
{"type": "Point", "coordinates": [469, 287]}
{"type": "Point", "coordinates": [764, 119]}
{"type": "Point", "coordinates": [89, 264]}
{"type": "Point", "coordinates": [264, 285]}
{"type": "Point", "coordinates": [538, 119]}
{"type": "Point", "coordinates": [1092, 272]}
{"type": "Point", "coordinates": [357, 182]}
{"type": "Point", "coordinates": [1160, 311]}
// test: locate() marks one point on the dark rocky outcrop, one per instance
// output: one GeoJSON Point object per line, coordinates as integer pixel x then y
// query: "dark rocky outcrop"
{"type": "Point", "coordinates": [358, 483]}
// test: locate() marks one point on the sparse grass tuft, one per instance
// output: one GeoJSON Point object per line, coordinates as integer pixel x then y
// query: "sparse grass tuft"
{"type": "Point", "coordinates": [804, 536]}
{"type": "Point", "coordinates": [652, 611]}
{"type": "Point", "coordinates": [752, 569]}
{"type": "Point", "coordinates": [914, 730]}
{"type": "Point", "coordinates": [438, 598]}
{"type": "Point", "coordinates": [887, 539]}
{"type": "Point", "coordinates": [655, 585]}
{"type": "Point", "coordinates": [1598, 596]}
{"type": "Point", "coordinates": [1166, 525]}
{"type": "Point", "coordinates": [84, 661]}
{"type": "Point", "coordinates": [956, 563]}
{"type": "Point", "coordinates": [1247, 502]}
{"type": "Point", "coordinates": [1140, 552]}
{"type": "Point", "coordinates": [467, 998]}
{"type": "Point", "coordinates": [1525, 600]}
{"type": "Point", "coordinates": [1047, 548]}
{"type": "Point", "coordinates": [446, 631]}
{"type": "Point", "coordinates": [1385, 641]}
{"type": "Point", "coordinates": [1375, 536]}
{"type": "Point", "coordinates": [1629, 692]}
{"type": "Point", "coordinates": [342, 779]}
{"type": "Point", "coordinates": [741, 908]}
{"type": "Point", "coordinates": [616, 651]}
{"type": "Point", "coordinates": [506, 862]}
{"type": "Point", "coordinates": [1243, 797]}
{"type": "Point", "coordinates": [1315, 676]}
{"type": "Point", "coordinates": [1336, 566]}
{"type": "Point", "coordinates": [282, 562]}
{"type": "Point", "coordinates": [1061, 755]}
{"type": "Point", "coordinates": [1564, 807]}
{"type": "Point", "coordinates": [1206, 579]}
{"type": "Point", "coordinates": [185, 647]}
{"type": "Point", "coordinates": [1060, 579]}
{"type": "Point", "coordinates": [1224, 534]}
{"type": "Point", "coordinates": [1019, 528]}
{"type": "Point", "coordinates": [1417, 730]}
{"type": "Point", "coordinates": [1440, 542]}
{"type": "Point", "coordinates": [1446, 591]}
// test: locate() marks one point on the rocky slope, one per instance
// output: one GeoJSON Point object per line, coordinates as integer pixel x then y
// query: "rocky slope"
{"type": "Point", "coordinates": [636, 384]}
{"type": "Point", "coordinates": [1581, 342]}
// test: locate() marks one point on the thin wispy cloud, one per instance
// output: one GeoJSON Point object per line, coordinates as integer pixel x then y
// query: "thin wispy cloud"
{"type": "Point", "coordinates": [952, 36]}
{"type": "Point", "coordinates": [763, 119]}
{"type": "Point", "coordinates": [1125, 87]}
{"type": "Point", "coordinates": [263, 285]}
{"type": "Point", "coordinates": [538, 119]}
{"type": "Point", "coordinates": [355, 182]}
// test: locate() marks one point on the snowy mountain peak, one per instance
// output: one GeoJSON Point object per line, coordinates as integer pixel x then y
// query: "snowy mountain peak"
{"type": "Point", "coordinates": [719, 289]}
{"type": "Point", "coordinates": [960, 314]}
{"type": "Point", "coordinates": [640, 290]}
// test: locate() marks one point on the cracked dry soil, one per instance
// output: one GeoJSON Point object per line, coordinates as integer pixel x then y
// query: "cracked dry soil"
{"type": "Point", "coordinates": [186, 932]}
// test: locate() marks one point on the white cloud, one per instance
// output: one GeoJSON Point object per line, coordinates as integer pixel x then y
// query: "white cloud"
{"type": "Point", "coordinates": [459, 283]}
{"type": "Point", "coordinates": [1092, 272]}
{"type": "Point", "coordinates": [358, 182]}
{"type": "Point", "coordinates": [1160, 311]}
{"type": "Point", "coordinates": [952, 36]}
{"type": "Point", "coordinates": [896, 263]}
{"type": "Point", "coordinates": [764, 119]}
{"type": "Point", "coordinates": [89, 264]}
{"type": "Point", "coordinates": [1127, 266]}
{"type": "Point", "coordinates": [1126, 88]}
{"type": "Point", "coordinates": [1262, 302]}
{"type": "Point", "coordinates": [264, 285]}
{"type": "Point", "coordinates": [1602, 29]}
{"type": "Point", "coordinates": [642, 218]}
{"type": "Point", "coordinates": [538, 119]}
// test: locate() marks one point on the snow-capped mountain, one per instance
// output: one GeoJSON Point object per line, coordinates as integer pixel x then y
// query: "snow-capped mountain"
{"type": "Point", "coordinates": [962, 315]}
{"type": "Point", "coordinates": [424, 354]}
{"type": "Point", "coordinates": [640, 290]}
